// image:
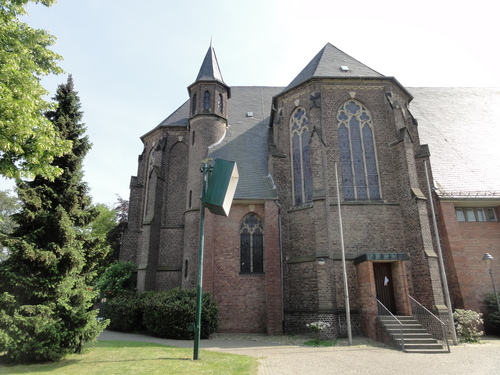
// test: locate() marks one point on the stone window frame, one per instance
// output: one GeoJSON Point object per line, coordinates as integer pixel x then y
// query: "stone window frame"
{"type": "Point", "coordinates": [360, 176]}
{"type": "Point", "coordinates": [251, 244]}
{"type": "Point", "coordinates": [300, 136]}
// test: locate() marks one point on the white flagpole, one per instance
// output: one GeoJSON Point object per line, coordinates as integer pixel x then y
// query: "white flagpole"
{"type": "Point", "coordinates": [346, 288]}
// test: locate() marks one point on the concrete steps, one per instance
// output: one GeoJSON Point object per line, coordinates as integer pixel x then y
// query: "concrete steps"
{"type": "Point", "coordinates": [416, 339]}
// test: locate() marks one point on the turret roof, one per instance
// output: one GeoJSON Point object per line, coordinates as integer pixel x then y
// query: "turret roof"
{"type": "Point", "coordinates": [210, 70]}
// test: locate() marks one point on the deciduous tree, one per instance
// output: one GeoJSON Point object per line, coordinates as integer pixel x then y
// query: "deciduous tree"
{"type": "Point", "coordinates": [28, 140]}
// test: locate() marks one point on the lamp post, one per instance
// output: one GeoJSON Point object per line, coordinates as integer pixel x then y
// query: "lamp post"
{"type": "Point", "coordinates": [488, 260]}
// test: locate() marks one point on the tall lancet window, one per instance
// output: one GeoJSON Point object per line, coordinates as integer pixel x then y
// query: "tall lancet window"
{"type": "Point", "coordinates": [251, 245]}
{"type": "Point", "coordinates": [358, 160]}
{"type": "Point", "coordinates": [206, 100]}
{"type": "Point", "coordinates": [220, 103]}
{"type": "Point", "coordinates": [193, 106]}
{"type": "Point", "coordinates": [301, 158]}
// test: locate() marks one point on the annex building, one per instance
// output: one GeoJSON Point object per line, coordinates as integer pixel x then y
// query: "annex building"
{"type": "Point", "coordinates": [342, 146]}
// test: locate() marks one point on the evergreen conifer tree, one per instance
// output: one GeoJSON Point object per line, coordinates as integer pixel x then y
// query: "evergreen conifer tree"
{"type": "Point", "coordinates": [46, 301]}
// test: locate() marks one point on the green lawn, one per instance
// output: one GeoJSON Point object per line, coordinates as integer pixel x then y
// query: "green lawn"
{"type": "Point", "coordinates": [124, 357]}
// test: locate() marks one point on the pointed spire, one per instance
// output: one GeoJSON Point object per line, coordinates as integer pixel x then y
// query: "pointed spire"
{"type": "Point", "coordinates": [210, 70]}
{"type": "Point", "coordinates": [331, 62]}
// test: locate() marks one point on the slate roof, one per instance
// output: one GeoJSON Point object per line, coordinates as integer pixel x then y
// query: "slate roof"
{"type": "Point", "coordinates": [328, 63]}
{"type": "Point", "coordinates": [210, 70]}
{"type": "Point", "coordinates": [460, 125]}
{"type": "Point", "coordinates": [247, 140]}
{"type": "Point", "coordinates": [462, 128]}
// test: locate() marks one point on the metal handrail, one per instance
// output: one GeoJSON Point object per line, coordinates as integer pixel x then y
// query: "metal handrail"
{"type": "Point", "coordinates": [435, 326]}
{"type": "Point", "coordinates": [382, 310]}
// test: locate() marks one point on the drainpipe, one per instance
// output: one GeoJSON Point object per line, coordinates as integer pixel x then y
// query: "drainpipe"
{"type": "Point", "coordinates": [441, 263]}
{"type": "Point", "coordinates": [281, 266]}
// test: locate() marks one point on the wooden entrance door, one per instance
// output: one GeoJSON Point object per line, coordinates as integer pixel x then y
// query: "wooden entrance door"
{"type": "Point", "coordinates": [384, 285]}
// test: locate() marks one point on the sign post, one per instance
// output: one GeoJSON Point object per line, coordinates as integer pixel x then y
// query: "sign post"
{"type": "Point", "coordinates": [217, 192]}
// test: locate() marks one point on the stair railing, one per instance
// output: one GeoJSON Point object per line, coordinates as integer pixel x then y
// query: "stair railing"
{"type": "Point", "coordinates": [382, 310]}
{"type": "Point", "coordinates": [435, 326]}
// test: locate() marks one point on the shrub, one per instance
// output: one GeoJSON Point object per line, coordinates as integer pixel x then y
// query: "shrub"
{"type": "Point", "coordinates": [170, 314]}
{"type": "Point", "coordinates": [317, 327]}
{"type": "Point", "coordinates": [125, 312]}
{"type": "Point", "coordinates": [467, 323]}
{"type": "Point", "coordinates": [492, 323]}
{"type": "Point", "coordinates": [119, 277]}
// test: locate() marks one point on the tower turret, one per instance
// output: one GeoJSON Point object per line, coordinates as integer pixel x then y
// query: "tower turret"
{"type": "Point", "coordinates": [208, 113]}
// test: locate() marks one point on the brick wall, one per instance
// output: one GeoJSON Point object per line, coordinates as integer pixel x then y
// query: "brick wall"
{"type": "Point", "coordinates": [463, 248]}
{"type": "Point", "coordinates": [398, 224]}
{"type": "Point", "coordinates": [247, 302]}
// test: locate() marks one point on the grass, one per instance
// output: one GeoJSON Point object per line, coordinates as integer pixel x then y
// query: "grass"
{"type": "Point", "coordinates": [125, 357]}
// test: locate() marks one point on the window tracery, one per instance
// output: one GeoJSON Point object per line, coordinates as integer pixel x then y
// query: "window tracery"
{"type": "Point", "coordinates": [251, 244]}
{"type": "Point", "coordinates": [358, 161]}
{"type": "Point", "coordinates": [301, 158]}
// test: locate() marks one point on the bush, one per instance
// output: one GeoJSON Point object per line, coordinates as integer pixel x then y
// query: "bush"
{"type": "Point", "coordinates": [119, 277]}
{"type": "Point", "coordinates": [125, 312]}
{"type": "Point", "coordinates": [170, 314]}
{"type": "Point", "coordinates": [492, 323]}
{"type": "Point", "coordinates": [467, 323]}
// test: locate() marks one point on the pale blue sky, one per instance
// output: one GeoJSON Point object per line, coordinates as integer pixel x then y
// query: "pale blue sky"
{"type": "Point", "coordinates": [133, 60]}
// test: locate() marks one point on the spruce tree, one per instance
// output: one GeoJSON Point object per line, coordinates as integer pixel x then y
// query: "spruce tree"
{"type": "Point", "coordinates": [46, 301]}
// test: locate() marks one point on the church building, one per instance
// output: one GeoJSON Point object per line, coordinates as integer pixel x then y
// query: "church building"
{"type": "Point", "coordinates": [332, 197]}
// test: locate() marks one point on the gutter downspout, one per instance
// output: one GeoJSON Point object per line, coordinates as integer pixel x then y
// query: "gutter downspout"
{"type": "Point", "coordinates": [280, 231]}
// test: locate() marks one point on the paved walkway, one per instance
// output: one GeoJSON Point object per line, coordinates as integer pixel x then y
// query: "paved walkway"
{"type": "Point", "coordinates": [286, 355]}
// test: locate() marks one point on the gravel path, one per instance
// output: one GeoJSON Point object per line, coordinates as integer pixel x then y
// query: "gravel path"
{"type": "Point", "coordinates": [287, 355]}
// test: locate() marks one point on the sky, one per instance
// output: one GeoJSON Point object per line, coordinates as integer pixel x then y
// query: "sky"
{"type": "Point", "coordinates": [132, 61]}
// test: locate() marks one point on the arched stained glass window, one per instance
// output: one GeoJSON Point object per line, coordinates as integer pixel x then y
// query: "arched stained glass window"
{"type": "Point", "coordinates": [251, 245]}
{"type": "Point", "coordinates": [206, 100]}
{"type": "Point", "coordinates": [301, 158]}
{"type": "Point", "coordinates": [358, 161]}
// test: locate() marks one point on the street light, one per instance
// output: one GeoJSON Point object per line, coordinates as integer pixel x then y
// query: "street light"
{"type": "Point", "coordinates": [488, 260]}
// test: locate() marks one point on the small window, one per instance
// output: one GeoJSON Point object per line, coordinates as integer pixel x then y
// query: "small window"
{"type": "Point", "coordinates": [480, 214]}
{"type": "Point", "coordinates": [470, 214]}
{"type": "Point", "coordinates": [206, 101]}
{"type": "Point", "coordinates": [193, 106]}
{"type": "Point", "coordinates": [460, 214]}
{"type": "Point", "coordinates": [476, 214]}
{"type": "Point", "coordinates": [220, 103]}
{"type": "Point", "coordinates": [491, 214]}
{"type": "Point", "coordinates": [192, 138]}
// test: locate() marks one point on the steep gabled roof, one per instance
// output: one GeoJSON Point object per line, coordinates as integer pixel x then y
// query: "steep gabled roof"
{"type": "Point", "coordinates": [331, 62]}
